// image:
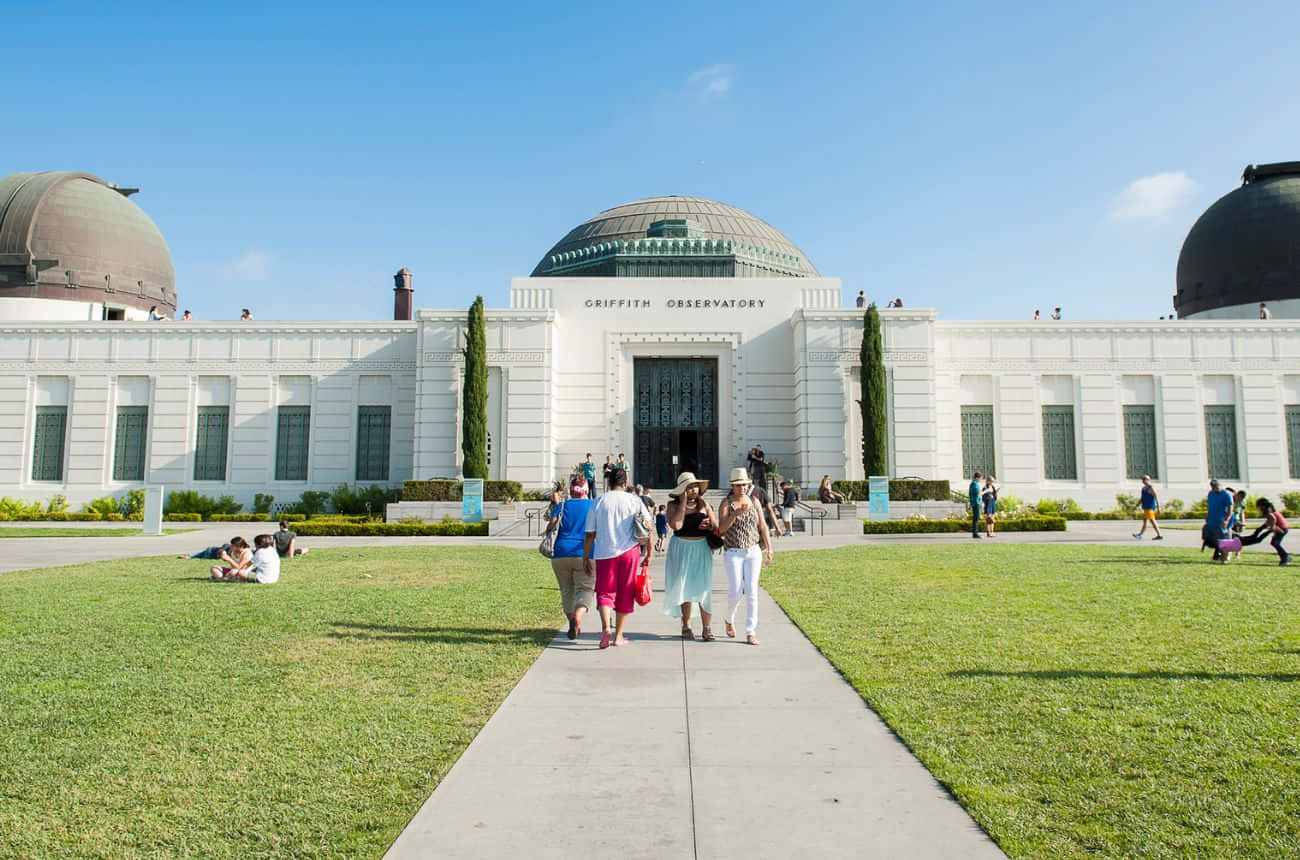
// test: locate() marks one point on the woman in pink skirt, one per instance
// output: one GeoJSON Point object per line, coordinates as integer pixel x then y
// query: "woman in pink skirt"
{"type": "Point", "coordinates": [613, 545]}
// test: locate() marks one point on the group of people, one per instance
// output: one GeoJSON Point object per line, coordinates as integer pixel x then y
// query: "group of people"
{"type": "Point", "coordinates": [260, 563]}
{"type": "Point", "coordinates": [583, 476]}
{"type": "Point", "coordinates": [983, 497]}
{"type": "Point", "coordinates": [601, 544]}
{"type": "Point", "coordinates": [862, 301]}
{"type": "Point", "coordinates": [1225, 525]}
{"type": "Point", "coordinates": [1056, 314]}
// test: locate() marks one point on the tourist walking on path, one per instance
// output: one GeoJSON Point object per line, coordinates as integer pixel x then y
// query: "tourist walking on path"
{"type": "Point", "coordinates": [989, 497]}
{"type": "Point", "coordinates": [579, 486]}
{"type": "Point", "coordinates": [975, 493]}
{"type": "Point", "coordinates": [688, 573]}
{"type": "Point", "coordinates": [577, 584]}
{"type": "Point", "coordinates": [746, 545]}
{"type": "Point", "coordinates": [614, 546]}
{"type": "Point", "coordinates": [1149, 504]}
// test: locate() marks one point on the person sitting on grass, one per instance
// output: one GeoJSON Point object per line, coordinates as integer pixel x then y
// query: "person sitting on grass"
{"type": "Point", "coordinates": [265, 566]}
{"type": "Point", "coordinates": [286, 542]}
{"type": "Point", "coordinates": [236, 560]}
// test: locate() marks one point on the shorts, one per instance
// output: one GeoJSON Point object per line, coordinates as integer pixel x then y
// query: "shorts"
{"type": "Point", "coordinates": [616, 581]}
{"type": "Point", "coordinates": [1149, 514]}
{"type": "Point", "coordinates": [788, 515]}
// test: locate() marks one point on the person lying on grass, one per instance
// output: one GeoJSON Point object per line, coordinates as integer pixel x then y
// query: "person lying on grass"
{"type": "Point", "coordinates": [265, 565]}
{"type": "Point", "coordinates": [236, 559]}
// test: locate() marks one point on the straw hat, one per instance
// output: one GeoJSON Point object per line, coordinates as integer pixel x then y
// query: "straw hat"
{"type": "Point", "coordinates": [739, 476]}
{"type": "Point", "coordinates": [684, 480]}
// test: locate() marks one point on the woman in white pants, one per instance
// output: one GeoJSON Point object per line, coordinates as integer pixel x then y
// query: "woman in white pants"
{"type": "Point", "coordinates": [745, 543]}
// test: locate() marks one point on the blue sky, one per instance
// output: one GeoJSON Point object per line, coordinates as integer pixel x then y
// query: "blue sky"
{"type": "Point", "coordinates": [981, 159]}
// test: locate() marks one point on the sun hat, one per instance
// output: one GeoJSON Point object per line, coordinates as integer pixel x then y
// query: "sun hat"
{"type": "Point", "coordinates": [684, 480]}
{"type": "Point", "coordinates": [739, 476]}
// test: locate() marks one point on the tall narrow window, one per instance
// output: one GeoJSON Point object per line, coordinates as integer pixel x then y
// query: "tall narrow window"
{"type": "Point", "coordinates": [210, 443]}
{"type": "Point", "coordinates": [1140, 441]}
{"type": "Point", "coordinates": [374, 426]}
{"type": "Point", "coordinates": [1058, 444]}
{"type": "Point", "coordinates": [129, 443]}
{"type": "Point", "coordinates": [1221, 441]}
{"type": "Point", "coordinates": [291, 440]}
{"type": "Point", "coordinates": [47, 452]}
{"type": "Point", "coordinates": [1293, 438]}
{"type": "Point", "coordinates": [977, 440]}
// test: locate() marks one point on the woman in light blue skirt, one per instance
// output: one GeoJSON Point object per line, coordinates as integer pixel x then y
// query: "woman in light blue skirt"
{"type": "Point", "coordinates": [689, 575]}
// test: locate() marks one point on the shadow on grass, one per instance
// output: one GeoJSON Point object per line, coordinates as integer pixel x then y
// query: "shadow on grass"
{"type": "Point", "coordinates": [391, 633]}
{"type": "Point", "coordinates": [1104, 675]}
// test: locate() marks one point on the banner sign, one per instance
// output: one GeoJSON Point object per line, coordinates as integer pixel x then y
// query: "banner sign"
{"type": "Point", "coordinates": [471, 501]}
{"type": "Point", "coordinates": [878, 496]}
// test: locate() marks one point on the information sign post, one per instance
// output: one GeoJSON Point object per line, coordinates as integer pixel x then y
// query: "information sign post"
{"type": "Point", "coordinates": [153, 510]}
{"type": "Point", "coordinates": [878, 497]}
{"type": "Point", "coordinates": [471, 501]}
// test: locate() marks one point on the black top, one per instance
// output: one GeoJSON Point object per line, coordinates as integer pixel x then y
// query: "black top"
{"type": "Point", "coordinates": [691, 525]}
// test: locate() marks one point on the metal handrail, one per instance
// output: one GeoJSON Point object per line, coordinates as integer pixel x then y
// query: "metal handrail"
{"type": "Point", "coordinates": [814, 515]}
{"type": "Point", "coordinates": [534, 514]}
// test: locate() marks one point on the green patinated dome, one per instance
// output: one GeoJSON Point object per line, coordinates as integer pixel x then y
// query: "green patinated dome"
{"type": "Point", "coordinates": [675, 237]}
{"type": "Point", "coordinates": [75, 237]}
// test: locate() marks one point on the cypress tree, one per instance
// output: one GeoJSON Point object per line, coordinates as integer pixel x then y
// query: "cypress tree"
{"type": "Point", "coordinates": [875, 414]}
{"type": "Point", "coordinates": [474, 410]}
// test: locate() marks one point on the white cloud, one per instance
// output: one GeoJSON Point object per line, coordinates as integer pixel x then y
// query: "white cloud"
{"type": "Point", "coordinates": [712, 81]}
{"type": "Point", "coordinates": [253, 266]}
{"type": "Point", "coordinates": [1153, 197]}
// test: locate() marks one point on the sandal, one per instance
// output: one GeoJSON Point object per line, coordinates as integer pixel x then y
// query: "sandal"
{"type": "Point", "coordinates": [687, 634]}
{"type": "Point", "coordinates": [707, 635]}
{"type": "Point", "coordinates": [751, 639]}
{"type": "Point", "coordinates": [731, 629]}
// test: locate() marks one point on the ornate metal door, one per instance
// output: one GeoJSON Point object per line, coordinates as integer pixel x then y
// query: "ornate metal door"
{"type": "Point", "coordinates": [675, 397]}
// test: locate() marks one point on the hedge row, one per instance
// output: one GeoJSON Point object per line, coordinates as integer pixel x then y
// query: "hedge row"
{"type": "Point", "coordinates": [899, 491]}
{"type": "Point", "coordinates": [443, 490]}
{"type": "Point", "coordinates": [315, 528]}
{"type": "Point", "coordinates": [288, 518]}
{"type": "Point", "coordinates": [1020, 524]}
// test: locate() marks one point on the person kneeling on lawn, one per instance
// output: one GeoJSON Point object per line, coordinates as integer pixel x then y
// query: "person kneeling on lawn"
{"type": "Point", "coordinates": [265, 567]}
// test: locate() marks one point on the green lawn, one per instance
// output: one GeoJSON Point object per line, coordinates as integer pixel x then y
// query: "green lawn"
{"type": "Point", "coordinates": [60, 531]}
{"type": "Point", "coordinates": [1078, 701]}
{"type": "Point", "coordinates": [147, 711]}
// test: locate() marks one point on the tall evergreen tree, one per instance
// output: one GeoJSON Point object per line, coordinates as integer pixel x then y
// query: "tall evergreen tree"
{"type": "Point", "coordinates": [474, 410]}
{"type": "Point", "coordinates": [875, 414]}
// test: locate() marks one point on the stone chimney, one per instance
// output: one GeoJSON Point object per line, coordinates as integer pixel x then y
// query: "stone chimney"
{"type": "Point", "coordinates": [403, 295]}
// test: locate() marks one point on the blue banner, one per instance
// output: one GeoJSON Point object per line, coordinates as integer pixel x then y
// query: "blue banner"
{"type": "Point", "coordinates": [878, 497]}
{"type": "Point", "coordinates": [471, 501]}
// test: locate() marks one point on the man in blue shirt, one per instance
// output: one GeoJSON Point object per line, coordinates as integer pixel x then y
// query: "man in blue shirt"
{"type": "Point", "coordinates": [1149, 504]}
{"type": "Point", "coordinates": [975, 506]}
{"type": "Point", "coordinates": [1218, 509]}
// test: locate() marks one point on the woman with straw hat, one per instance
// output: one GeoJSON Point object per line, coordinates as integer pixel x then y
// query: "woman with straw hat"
{"type": "Point", "coordinates": [744, 531]}
{"type": "Point", "coordinates": [688, 577]}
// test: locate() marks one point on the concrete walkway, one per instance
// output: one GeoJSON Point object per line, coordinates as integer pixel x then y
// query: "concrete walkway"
{"type": "Point", "coordinates": [670, 749]}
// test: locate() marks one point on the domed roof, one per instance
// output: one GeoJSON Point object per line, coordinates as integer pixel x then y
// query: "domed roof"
{"type": "Point", "coordinates": [75, 237]}
{"type": "Point", "coordinates": [690, 222]}
{"type": "Point", "coordinates": [1245, 249]}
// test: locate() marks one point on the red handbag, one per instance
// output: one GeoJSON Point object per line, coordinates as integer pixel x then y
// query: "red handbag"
{"type": "Point", "coordinates": [643, 586]}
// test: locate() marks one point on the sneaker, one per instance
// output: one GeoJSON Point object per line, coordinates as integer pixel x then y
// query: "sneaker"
{"type": "Point", "coordinates": [1158, 537]}
{"type": "Point", "coordinates": [1137, 536]}
{"type": "Point", "coordinates": [1284, 562]}
{"type": "Point", "coordinates": [977, 537]}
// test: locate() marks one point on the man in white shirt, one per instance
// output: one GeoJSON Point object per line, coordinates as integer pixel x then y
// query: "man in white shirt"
{"type": "Point", "coordinates": [613, 544]}
{"type": "Point", "coordinates": [1264, 312]}
{"type": "Point", "coordinates": [265, 568]}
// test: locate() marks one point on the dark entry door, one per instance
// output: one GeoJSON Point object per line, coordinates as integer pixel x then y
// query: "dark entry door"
{"type": "Point", "coordinates": [676, 414]}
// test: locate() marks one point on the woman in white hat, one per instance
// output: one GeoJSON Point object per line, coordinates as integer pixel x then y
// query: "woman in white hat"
{"type": "Point", "coordinates": [744, 532]}
{"type": "Point", "coordinates": [688, 577]}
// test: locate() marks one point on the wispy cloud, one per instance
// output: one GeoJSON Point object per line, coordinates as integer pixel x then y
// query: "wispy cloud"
{"type": "Point", "coordinates": [255, 265]}
{"type": "Point", "coordinates": [712, 81]}
{"type": "Point", "coordinates": [1151, 198]}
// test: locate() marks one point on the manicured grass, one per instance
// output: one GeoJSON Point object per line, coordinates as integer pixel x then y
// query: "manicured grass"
{"type": "Point", "coordinates": [30, 531]}
{"type": "Point", "coordinates": [149, 712]}
{"type": "Point", "coordinates": [1078, 701]}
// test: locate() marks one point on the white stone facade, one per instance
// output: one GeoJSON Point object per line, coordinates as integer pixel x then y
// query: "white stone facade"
{"type": "Point", "coordinates": [561, 384]}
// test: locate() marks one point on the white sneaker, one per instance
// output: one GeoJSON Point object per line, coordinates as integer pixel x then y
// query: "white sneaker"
{"type": "Point", "coordinates": [1137, 536]}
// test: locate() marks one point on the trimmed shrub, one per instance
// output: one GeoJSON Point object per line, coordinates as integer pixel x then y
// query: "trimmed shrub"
{"type": "Point", "coordinates": [72, 517]}
{"type": "Point", "coordinates": [17, 509]}
{"type": "Point", "coordinates": [1174, 506]}
{"type": "Point", "coordinates": [319, 528]}
{"type": "Point", "coordinates": [262, 503]}
{"type": "Point", "coordinates": [474, 395]}
{"type": "Point", "coordinates": [183, 518]}
{"type": "Point", "coordinates": [310, 502]}
{"type": "Point", "coordinates": [437, 490]}
{"type": "Point", "coordinates": [1290, 501]}
{"type": "Point", "coordinates": [239, 518]}
{"type": "Point", "coordinates": [502, 491]}
{"type": "Point", "coordinates": [103, 506]}
{"type": "Point", "coordinates": [874, 406]}
{"type": "Point", "coordinates": [349, 501]}
{"type": "Point", "coordinates": [289, 518]}
{"type": "Point", "coordinates": [1056, 507]}
{"type": "Point", "coordinates": [194, 502]}
{"type": "Point", "coordinates": [954, 525]}
{"type": "Point", "coordinates": [902, 490]}
{"type": "Point", "coordinates": [1126, 504]}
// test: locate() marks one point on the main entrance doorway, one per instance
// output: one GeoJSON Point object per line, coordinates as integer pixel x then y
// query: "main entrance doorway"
{"type": "Point", "coordinates": [676, 415]}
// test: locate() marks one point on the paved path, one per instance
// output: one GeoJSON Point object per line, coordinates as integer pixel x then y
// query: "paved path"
{"type": "Point", "coordinates": [669, 749]}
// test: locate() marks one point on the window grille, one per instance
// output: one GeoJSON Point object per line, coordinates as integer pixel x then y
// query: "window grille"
{"type": "Point", "coordinates": [292, 437]}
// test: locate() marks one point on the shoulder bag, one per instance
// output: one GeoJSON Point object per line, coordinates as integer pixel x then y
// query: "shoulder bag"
{"type": "Point", "coordinates": [547, 546]}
